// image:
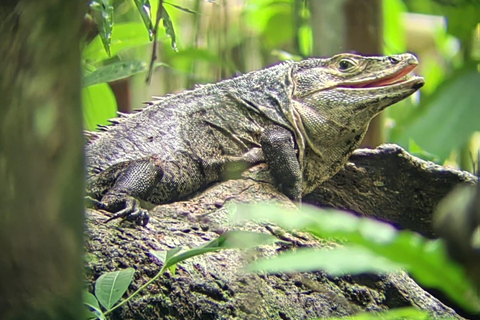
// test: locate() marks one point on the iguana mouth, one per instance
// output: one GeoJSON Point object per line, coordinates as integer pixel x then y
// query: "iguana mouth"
{"type": "Point", "coordinates": [401, 76]}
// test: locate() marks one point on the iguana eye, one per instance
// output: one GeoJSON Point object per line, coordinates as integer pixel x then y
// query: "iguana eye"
{"type": "Point", "coordinates": [345, 64]}
{"type": "Point", "coordinates": [393, 60]}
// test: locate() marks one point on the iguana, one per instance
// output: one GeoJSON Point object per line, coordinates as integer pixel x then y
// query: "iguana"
{"type": "Point", "coordinates": [303, 119]}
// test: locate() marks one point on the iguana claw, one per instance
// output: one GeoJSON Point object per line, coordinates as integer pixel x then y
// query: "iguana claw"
{"type": "Point", "coordinates": [139, 216]}
{"type": "Point", "coordinates": [124, 207]}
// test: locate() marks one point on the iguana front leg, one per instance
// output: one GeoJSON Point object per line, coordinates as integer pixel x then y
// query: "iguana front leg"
{"type": "Point", "coordinates": [120, 186]}
{"type": "Point", "coordinates": [278, 148]}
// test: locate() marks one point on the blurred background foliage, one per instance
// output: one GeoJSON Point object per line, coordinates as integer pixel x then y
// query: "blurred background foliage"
{"type": "Point", "coordinates": [201, 41]}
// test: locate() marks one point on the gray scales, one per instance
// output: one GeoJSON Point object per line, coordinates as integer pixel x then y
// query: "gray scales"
{"type": "Point", "coordinates": [304, 119]}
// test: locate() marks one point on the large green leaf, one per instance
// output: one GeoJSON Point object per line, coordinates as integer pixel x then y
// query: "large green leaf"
{"type": "Point", "coordinates": [336, 262]}
{"type": "Point", "coordinates": [114, 71]}
{"type": "Point", "coordinates": [126, 36]}
{"type": "Point", "coordinates": [451, 115]}
{"type": "Point", "coordinates": [425, 259]}
{"type": "Point", "coordinates": [111, 286]}
{"type": "Point", "coordinates": [99, 105]}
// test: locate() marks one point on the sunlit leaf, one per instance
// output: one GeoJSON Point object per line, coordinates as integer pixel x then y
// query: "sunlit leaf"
{"type": "Point", "coordinates": [111, 286]}
{"type": "Point", "coordinates": [102, 13]}
{"type": "Point", "coordinates": [168, 25]}
{"type": "Point", "coordinates": [145, 11]}
{"type": "Point", "coordinates": [394, 34]}
{"type": "Point", "coordinates": [114, 71]}
{"type": "Point", "coordinates": [99, 105]}
{"type": "Point", "coordinates": [335, 262]}
{"type": "Point", "coordinates": [126, 36]}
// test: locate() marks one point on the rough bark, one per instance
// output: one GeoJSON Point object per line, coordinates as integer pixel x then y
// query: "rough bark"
{"type": "Point", "coordinates": [41, 161]}
{"type": "Point", "coordinates": [391, 185]}
{"type": "Point", "coordinates": [213, 286]}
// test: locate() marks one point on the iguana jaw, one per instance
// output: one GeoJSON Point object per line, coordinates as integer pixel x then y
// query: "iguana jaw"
{"type": "Point", "coordinates": [402, 75]}
{"type": "Point", "coordinates": [402, 78]}
{"type": "Point", "coordinates": [399, 81]}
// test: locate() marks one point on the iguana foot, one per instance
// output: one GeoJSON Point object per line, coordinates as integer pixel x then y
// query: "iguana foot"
{"type": "Point", "coordinates": [131, 210]}
{"type": "Point", "coordinates": [279, 150]}
{"type": "Point", "coordinates": [140, 216]}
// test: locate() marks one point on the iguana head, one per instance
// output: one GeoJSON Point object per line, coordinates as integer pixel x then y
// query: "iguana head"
{"type": "Point", "coordinates": [336, 98]}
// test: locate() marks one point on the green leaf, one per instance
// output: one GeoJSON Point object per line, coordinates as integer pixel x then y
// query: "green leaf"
{"type": "Point", "coordinates": [394, 34]}
{"type": "Point", "coordinates": [462, 21]}
{"type": "Point", "coordinates": [168, 25]}
{"type": "Point", "coordinates": [90, 301]}
{"type": "Point", "coordinates": [228, 240]}
{"type": "Point", "coordinates": [111, 286]}
{"type": "Point", "coordinates": [114, 71]}
{"type": "Point", "coordinates": [180, 8]}
{"type": "Point", "coordinates": [425, 259]}
{"type": "Point", "coordinates": [165, 256]}
{"type": "Point", "coordinates": [99, 105]}
{"type": "Point", "coordinates": [393, 314]}
{"type": "Point", "coordinates": [335, 262]}
{"type": "Point", "coordinates": [145, 11]}
{"type": "Point", "coordinates": [451, 115]}
{"type": "Point", "coordinates": [102, 13]}
{"type": "Point", "coordinates": [416, 150]}
{"type": "Point", "coordinates": [126, 36]}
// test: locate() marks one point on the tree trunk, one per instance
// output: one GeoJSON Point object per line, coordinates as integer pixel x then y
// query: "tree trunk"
{"type": "Point", "coordinates": [41, 161]}
{"type": "Point", "coordinates": [350, 26]}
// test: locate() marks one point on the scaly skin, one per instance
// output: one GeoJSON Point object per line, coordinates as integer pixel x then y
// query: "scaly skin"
{"type": "Point", "coordinates": [303, 119]}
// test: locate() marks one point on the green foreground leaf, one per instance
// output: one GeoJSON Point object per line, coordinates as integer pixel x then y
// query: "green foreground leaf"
{"type": "Point", "coordinates": [111, 286]}
{"type": "Point", "coordinates": [228, 240]}
{"type": "Point", "coordinates": [424, 259]}
{"type": "Point", "coordinates": [114, 71]}
{"type": "Point", "coordinates": [335, 262]}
